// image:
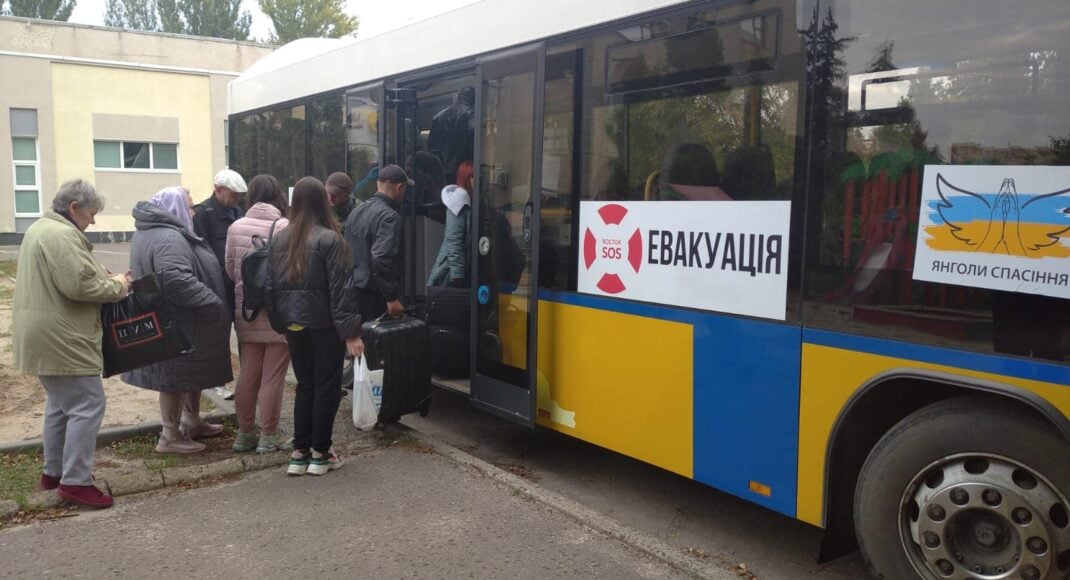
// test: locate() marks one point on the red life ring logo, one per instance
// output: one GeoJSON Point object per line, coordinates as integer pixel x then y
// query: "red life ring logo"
{"type": "Point", "coordinates": [610, 246]}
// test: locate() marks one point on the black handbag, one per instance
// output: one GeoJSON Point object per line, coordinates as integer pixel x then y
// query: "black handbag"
{"type": "Point", "coordinates": [141, 329]}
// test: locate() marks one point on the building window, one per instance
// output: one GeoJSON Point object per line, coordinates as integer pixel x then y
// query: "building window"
{"type": "Point", "coordinates": [26, 165]}
{"type": "Point", "coordinates": [136, 155]}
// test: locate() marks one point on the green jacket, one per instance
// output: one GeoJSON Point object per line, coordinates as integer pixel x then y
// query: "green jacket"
{"type": "Point", "coordinates": [58, 291]}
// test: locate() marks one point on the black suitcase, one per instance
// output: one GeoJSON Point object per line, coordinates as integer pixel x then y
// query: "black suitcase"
{"type": "Point", "coordinates": [450, 349]}
{"type": "Point", "coordinates": [449, 307]}
{"type": "Point", "coordinates": [402, 347]}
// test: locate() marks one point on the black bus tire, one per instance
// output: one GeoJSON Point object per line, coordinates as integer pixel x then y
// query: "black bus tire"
{"type": "Point", "coordinates": [973, 446]}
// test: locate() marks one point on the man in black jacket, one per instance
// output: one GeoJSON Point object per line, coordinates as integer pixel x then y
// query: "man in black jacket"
{"type": "Point", "coordinates": [374, 233]}
{"type": "Point", "coordinates": [452, 135]}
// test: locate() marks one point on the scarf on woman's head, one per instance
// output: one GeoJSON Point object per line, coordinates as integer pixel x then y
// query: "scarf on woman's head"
{"type": "Point", "coordinates": [175, 200]}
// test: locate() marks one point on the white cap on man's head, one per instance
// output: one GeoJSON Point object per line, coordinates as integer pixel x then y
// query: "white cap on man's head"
{"type": "Point", "coordinates": [231, 180]}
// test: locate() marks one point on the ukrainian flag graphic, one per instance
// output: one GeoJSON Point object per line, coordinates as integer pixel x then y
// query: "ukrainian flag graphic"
{"type": "Point", "coordinates": [1003, 222]}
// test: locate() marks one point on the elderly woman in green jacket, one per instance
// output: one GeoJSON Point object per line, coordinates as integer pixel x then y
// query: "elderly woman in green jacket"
{"type": "Point", "coordinates": [57, 332]}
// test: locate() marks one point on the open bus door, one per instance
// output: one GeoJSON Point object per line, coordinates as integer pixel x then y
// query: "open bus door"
{"type": "Point", "coordinates": [505, 252]}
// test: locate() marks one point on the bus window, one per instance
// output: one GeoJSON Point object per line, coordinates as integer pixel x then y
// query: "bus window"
{"type": "Point", "coordinates": [558, 189]}
{"type": "Point", "coordinates": [909, 91]}
{"type": "Point", "coordinates": [271, 142]}
{"type": "Point", "coordinates": [691, 108]}
{"type": "Point", "coordinates": [362, 140]}
{"type": "Point", "coordinates": [326, 135]}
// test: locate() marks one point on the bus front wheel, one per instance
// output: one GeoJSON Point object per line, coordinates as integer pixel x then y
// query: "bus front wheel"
{"type": "Point", "coordinates": [966, 488]}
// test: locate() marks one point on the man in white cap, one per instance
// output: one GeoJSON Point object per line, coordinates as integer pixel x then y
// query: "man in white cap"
{"type": "Point", "coordinates": [213, 216]}
{"type": "Point", "coordinates": [211, 220]}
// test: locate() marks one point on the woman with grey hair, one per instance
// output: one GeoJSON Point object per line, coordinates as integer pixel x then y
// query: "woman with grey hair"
{"type": "Point", "coordinates": [192, 281]}
{"type": "Point", "coordinates": [58, 291]}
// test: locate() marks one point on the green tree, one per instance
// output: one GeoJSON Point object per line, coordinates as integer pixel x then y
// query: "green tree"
{"type": "Point", "coordinates": [43, 9]}
{"type": "Point", "coordinates": [170, 19]}
{"type": "Point", "coordinates": [294, 19]}
{"type": "Point", "coordinates": [212, 18]}
{"type": "Point", "coordinates": [215, 18]}
{"type": "Point", "coordinates": [131, 14]}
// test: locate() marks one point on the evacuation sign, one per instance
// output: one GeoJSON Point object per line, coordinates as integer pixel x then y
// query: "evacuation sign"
{"type": "Point", "coordinates": [723, 256]}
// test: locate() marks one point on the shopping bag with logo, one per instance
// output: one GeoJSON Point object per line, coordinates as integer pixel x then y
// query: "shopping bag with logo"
{"type": "Point", "coordinates": [365, 403]}
{"type": "Point", "coordinates": [141, 329]}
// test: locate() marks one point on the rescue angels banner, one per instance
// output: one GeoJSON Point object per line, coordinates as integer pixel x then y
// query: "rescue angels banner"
{"type": "Point", "coordinates": [1002, 227]}
{"type": "Point", "coordinates": [724, 256]}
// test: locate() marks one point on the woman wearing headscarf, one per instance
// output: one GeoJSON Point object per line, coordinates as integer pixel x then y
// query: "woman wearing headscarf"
{"type": "Point", "coordinates": [192, 281]}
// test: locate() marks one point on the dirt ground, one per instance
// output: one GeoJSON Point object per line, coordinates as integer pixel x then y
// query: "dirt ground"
{"type": "Point", "coordinates": [22, 400]}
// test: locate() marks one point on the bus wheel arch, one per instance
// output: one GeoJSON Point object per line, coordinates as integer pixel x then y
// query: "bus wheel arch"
{"type": "Point", "coordinates": [875, 409]}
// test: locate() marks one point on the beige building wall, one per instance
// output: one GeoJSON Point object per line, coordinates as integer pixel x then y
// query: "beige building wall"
{"type": "Point", "coordinates": [93, 83]}
{"type": "Point", "coordinates": [27, 84]}
{"type": "Point", "coordinates": [45, 37]}
{"type": "Point", "coordinates": [131, 105]}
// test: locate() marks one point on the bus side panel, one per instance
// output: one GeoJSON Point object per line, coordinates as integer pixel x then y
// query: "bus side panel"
{"type": "Point", "coordinates": [618, 381]}
{"type": "Point", "coordinates": [620, 375]}
{"type": "Point", "coordinates": [747, 408]}
{"type": "Point", "coordinates": [835, 365]}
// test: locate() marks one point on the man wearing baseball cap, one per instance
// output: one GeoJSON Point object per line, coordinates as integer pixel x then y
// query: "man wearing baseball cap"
{"type": "Point", "coordinates": [373, 232]}
{"type": "Point", "coordinates": [213, 216]}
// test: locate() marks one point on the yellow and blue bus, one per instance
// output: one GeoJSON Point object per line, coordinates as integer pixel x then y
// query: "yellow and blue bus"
{"type": "Point", "coordinates": [812, 253]}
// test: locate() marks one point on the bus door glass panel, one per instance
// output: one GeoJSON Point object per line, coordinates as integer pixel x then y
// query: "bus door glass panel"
{"type": "Point", "coordinates": [443, 119]}
{"type": "Point", "coordinates": [363, 131]}
{"type": "Point", "coordinates": [506, 236]}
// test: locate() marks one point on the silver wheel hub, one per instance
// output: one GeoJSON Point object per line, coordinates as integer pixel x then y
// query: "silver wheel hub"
{"type": "Point", "coordinates": [985, 517]}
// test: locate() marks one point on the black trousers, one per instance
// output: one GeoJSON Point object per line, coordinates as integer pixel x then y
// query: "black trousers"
{"type": "Point", "coordinates": [317, 357]}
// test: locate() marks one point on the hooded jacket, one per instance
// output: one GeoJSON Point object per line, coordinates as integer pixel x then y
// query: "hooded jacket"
{"type": "Point", "coordinates": [373, 233]}
{"type": "Point", "coordinates": [58, 291]}
{"type": "Point", "coordinates": [257, 222]}
{"type": "Point", "coordinates": [452, 261]}
{"type": "Point", "coordinates": [192, 282]}
{"type": "Point", "coordinates": [322, 297]}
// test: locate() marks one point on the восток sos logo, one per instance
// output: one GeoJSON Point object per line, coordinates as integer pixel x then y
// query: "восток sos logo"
{"type": "Point", "coordinates": [610, 252]}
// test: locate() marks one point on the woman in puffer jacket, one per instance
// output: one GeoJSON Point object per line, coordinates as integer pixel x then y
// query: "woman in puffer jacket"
{"type": "Point", "coordinates": [310, 297]}
{"type": "Point", "coordinates": [192, 280]}
{"type": "Point", "coordinates": [451, 265]}
{"type": "Point", "coordinates": [263, 352]}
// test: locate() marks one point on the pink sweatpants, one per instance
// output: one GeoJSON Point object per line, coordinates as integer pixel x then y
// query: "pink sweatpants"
{"type": "Point", "coordinates": [262, 375]}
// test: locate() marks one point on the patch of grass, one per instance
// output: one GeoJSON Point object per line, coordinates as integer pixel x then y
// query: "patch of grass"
{"type": "Point", "coordinates": [6, 293]}
{"type": "Point", "coordinates": [143, 447]}
{"type": "Point", "coordinates": [19, 473]}
{"type": "Point", "coordinates": [9, 268]}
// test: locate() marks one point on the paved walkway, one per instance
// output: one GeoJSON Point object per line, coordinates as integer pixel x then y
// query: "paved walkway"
{"type": "Point", "coordinates": [399, 512]}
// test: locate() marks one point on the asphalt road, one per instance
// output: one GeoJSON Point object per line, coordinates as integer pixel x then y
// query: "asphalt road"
{"type": "Point", "coordinates": [662, 504]}
{"type": "Point", "coordinates": [394, 513]}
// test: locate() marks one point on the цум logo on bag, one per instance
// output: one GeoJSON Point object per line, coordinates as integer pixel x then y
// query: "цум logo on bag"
{"type": "Point", "coordinates": [137, 330]}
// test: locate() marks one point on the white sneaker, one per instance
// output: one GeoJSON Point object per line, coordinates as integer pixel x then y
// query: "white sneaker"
{"type": "Point", "coordinates": [298, 463]}
{"type": "Point", "coordinates": [321, 464]}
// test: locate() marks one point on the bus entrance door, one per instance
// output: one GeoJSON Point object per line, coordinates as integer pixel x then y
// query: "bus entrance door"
{"type": "Point", "coordinates": [505, 251]}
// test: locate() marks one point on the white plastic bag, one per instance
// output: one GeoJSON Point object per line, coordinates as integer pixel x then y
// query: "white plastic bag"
{"type": "Point", "coordinates": [365, 411]}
